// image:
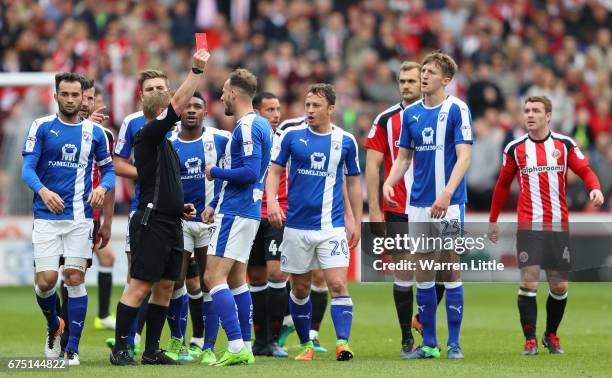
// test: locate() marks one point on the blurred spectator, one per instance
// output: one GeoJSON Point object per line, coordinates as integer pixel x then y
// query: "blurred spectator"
{"type": "Point", "coordinates": [506, 50]}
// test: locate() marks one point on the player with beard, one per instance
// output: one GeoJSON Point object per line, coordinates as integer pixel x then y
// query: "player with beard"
{"type": "Point", "coordinates": [58, 158]}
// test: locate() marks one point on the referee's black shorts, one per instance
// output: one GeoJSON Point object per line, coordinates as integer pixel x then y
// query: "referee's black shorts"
{"type": "Point", "coordinates": [266, 246]}
{"type": "Point", "coordinates": [157, 248]}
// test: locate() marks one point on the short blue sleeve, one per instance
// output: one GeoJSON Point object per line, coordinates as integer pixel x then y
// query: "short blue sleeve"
{"type": "Point", "coordinates": [405, 139]}
{"type": "Point", "coordinates": [281, 148]}
{"type": "Point", "coordinates": [125, 142]}
{"type": "Point", "coordinates": [34, 140]}
{"type": "Point", "coordinates": [351, 163]}
{"type": "Point", "coordinates": [461, 119]}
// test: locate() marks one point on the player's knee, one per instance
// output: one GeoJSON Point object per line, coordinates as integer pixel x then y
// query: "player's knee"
{"type": "Point", "coordinates": [73, 277]}
{"type": "Point", "coordinates": [337, 286]}
{"type": "Point", "coordinates": [257, 276]}
{"type": "Point", "coordinates": [193, 285]}
{"type": "Point", "coordinates": [558, 288]}
{"type": "Point", "coordinates": [179, 284]}
{"type": "Point", "coordinates": [107, 259]}
{"type": "Point", "coordinates": [529, 284]}
{"type": "Point", "coordinates": [276, 275]}
{"type": "Point", "coordinates": [300, 289]}
{"type": "Point", "coordinates": [45, 284]}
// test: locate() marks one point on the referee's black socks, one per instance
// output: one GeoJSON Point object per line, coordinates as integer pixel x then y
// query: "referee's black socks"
{"type": "Point", "coordinates": [156, 317]}
{"type": "Point", "coordinates": [125, 319]}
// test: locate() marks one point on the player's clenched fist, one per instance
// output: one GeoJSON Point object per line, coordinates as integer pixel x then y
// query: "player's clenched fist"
{"type": "Point", "coordinates": [200, 58]}
{"type": "Point", "coordinates": [208, 215]}
{"type": "Point", "coordinates": [52, 200]}
{"type": "Point", "coordinates": [596, 197]}
{"type": "Point", "coordinates": [96, 197]}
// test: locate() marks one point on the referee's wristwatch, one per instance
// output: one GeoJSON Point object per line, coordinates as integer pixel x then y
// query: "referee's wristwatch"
{"type": "Point", "coordinates": [197, 70]}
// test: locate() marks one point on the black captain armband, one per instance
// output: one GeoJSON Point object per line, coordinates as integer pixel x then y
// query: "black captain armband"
{"type": "Point", "coordinates": [196, 70]}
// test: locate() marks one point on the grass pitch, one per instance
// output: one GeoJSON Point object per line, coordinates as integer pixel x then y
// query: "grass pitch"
{"type": "Point", "coordinates": [491, 339]}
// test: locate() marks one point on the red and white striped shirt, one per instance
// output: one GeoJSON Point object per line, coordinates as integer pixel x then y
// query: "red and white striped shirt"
{"type": "Point", "coordinates": [384, 137]}
{"type": "Point", "coordinates": [541, 168]}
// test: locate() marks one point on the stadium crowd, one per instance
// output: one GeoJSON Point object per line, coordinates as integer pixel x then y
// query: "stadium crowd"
{"type": "Point", "coordinates": [505, 49]}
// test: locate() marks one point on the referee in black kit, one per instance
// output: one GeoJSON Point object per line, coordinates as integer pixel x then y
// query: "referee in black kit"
{"type": "Point", "coordinates": [156, 234]}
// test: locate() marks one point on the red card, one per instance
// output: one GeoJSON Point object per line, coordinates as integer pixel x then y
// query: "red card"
{"type": "Point", "coordinates": [201, 42]}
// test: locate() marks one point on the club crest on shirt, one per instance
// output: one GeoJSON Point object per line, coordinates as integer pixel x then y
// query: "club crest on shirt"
{"type": "Point", "coordinates": [556, 153]}
{"type": "Point", "coordinates": [427, 135]}
{"type": "Point", "coordinates": [209, 146]}
{"type": "Point", "coordinates": [442, 117]}
{"type": "Point", "coordinates": [87, 136]}
{"type": "Point", "coordinates": [335, 145]}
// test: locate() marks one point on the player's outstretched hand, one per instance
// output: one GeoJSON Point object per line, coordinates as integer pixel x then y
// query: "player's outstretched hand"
{"type": "Point", "coordinates": [493, 233]}
{"type": "Point", "coordinates": [97, 116]}
{"type": "Point", "coordinates": [96, 197]}
{"type": "Point", "coordinates": [440, 206]}
{"type": "Point", "coordinates": [208, 169]}
{"type": "Point", "coordinates": [52, 200]}
{"type": "Point", "coordinates": [388, 194]}
{"type": "Point", "coordinates": [105, 234]}
{"type": "Point", "coordinates": [208, 216]}
{"type": "Point", "coordinates": [200, 58]}
{"type": "Point", "coordinates": [189, 212]}
{"type": "Point", "coordinates": [597, 197]}
{"type": "Point", "coordinates": [276, 217]}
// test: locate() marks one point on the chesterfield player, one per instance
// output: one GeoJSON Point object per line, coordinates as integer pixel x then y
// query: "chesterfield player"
{"type": "Point", "coordinates": [196, 147]}
{"type": "Point", "coordinates": [438, 129]}
{"type": "Point", "coordinates": [321, 155]}
{"type": "Point", "coordinates": [238, 214]}
{"type": "Point", "coordinates": [58, 157]}
{"type": "Point", "coordinates": [268, 284]}
{"type": "Point", "coordinates": [540, 160]}
{"type": "Point", "coordinates": [382, 150]}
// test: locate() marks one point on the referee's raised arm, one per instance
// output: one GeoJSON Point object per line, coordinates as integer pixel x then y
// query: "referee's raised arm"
{"type": "Point", "coordinates": [156, 131]}
{"type": "Point", "coordinates": [185, 92]}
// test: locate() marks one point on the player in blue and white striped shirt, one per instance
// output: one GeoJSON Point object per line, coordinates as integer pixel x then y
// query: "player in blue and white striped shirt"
{"type": "Point", "coordinates": [238, 213]}
{"type": "Point", "coordinates": [439, 129]}
{"type": "Point", "coordinates": [58, 158]}
{"type": "Point", "coordinates": [320, 155]}
{"type": "Point", "coordinates": [196, 147]}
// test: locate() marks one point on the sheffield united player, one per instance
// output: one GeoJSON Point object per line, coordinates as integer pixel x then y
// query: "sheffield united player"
{"type": "Point", "coordinates": [540, 159]}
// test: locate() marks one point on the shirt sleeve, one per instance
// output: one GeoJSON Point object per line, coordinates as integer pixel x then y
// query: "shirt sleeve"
{"type": "Point", "coordinates": [125, 142]}
{"type": "Point", "coordinates": [461, 119]}
{"type": "Point", "coordinates": [502, 187]}
{"type": "Point", "coordinates": [281, 149]}
{"type": "Point", "coordinates": [377, 137]}
{"type": "Point", "coordinates": [351, 163]}
{"type": "Point", "coordinates": [580, 165]}
{"type": "Point", "coordinates": [34, 141]}
{"type": "Point", "coordinates": [154, 132]}
{"type": "Point", "coordinates": [405, 141]}
{"type": "Point", "coordinates": [104, 159]}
